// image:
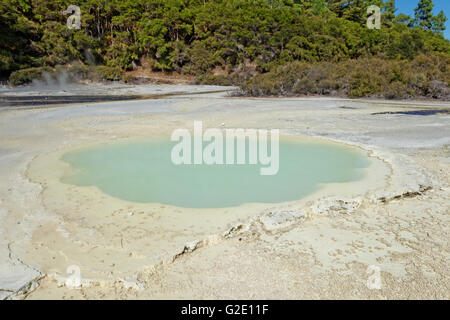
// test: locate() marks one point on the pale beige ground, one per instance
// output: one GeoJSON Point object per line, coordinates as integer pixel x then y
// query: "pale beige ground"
{"type": "Point", "coordinates": [397, 219]}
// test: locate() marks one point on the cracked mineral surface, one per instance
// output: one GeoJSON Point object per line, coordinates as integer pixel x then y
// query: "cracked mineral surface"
{"type": "Point", "coordinates": [321, 246]}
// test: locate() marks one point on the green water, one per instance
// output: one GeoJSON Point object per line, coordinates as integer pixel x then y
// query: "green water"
{"type": "Point", "coordinates": [143, 172]}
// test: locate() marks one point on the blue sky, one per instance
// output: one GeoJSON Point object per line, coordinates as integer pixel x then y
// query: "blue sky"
{"type": "Point", "coordinates": [407, 7]}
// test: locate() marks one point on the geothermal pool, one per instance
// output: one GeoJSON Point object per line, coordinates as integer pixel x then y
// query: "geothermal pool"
{"type": "Point", "coordinates": [142, 171]}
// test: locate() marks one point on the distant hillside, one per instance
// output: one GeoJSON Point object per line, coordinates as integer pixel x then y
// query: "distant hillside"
{"type": "Point", "coordinates": [222, 40]}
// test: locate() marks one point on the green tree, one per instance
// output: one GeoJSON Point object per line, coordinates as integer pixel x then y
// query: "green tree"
{"type": "Point", "coordinates": [439, 22]}
{"type": "Point", "coordinates": [403, 18]}
{"type": "Point", "coordinates": [198, 36]}
{"type": "Point", "coordinates": [423, 17]}
{"type": "Point", "coordinates": [17, 37]}
{"type": "Point", "coordinates": [423, 14]}
{"type": "Point", "coordinates": [389, 10]}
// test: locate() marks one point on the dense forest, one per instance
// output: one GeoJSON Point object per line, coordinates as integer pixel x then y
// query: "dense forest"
{"type": "Point", "coordinates": [268, 47]}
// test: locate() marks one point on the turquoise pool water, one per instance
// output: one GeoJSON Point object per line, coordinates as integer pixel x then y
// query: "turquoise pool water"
{"type": "Point", "coordinates": [143, 172]}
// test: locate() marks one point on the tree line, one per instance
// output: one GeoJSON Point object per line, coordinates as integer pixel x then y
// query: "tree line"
{"type": "Point", "coordinates": [199, 37]}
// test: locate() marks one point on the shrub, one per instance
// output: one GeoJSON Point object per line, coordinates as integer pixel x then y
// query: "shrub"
{"type": "Point", "coordinates": [25, 76]}
{"type": "Point", "coordinates": [201, 59]}
{"type": "Point", "coordinates": [234, 79]}
{"type": "Point", "coordinates": [128, 78]}
{"type": "Point", "coordinates": [78, 70]}
{"type": "Point", "coordinates": [109, 73]}
{"type": "Point", "coordinates": [397, 90]}
{"type": "Point", "coordinates": [425, 76]}
{"type": "Point", "coordinates": [438, 90]}
{"type": "Point", "coordinates": [219, 80]}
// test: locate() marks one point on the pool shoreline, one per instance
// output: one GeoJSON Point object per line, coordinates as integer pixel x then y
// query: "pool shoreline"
{"type": "Point", "coordinates": [302, 141]}
{"type": "Point", "coordinates": [243, 217]}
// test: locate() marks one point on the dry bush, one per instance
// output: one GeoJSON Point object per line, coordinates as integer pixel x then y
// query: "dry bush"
{"type": "Point", "coordinates": [424, 76]}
